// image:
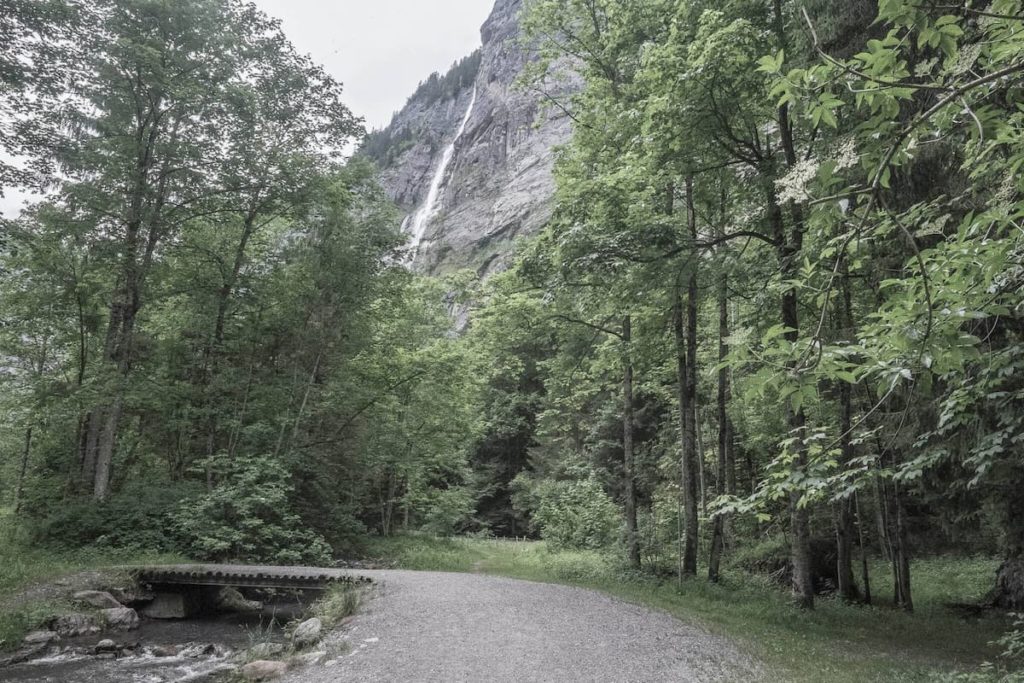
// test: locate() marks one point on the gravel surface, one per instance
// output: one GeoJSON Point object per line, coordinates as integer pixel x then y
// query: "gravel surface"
{"type": "Point", "coordinates": [425, 626]}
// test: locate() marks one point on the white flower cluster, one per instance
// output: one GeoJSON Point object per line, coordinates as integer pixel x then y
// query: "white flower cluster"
{"type": "Point", "coordinates": [794, 185]}
{"type": "Point", "coordinates": [846, 155]}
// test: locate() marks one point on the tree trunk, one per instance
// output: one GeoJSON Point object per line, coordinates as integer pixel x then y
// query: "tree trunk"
{"type": "Point", "coordinates": [632, 536]}
{"type": "Point", "coordinates": [105, 451]}
{"type": "Point", "coordinates": [213, 350]}
{"type": "Point", "coordinates": [842, 511]}
{"type": "Point", "coordinates": [688, 465]}
{"type": "Point", "coordinates": [865, 573]}
{"type": "Point", "coordinates": [19, 491]}
{"type": "Point", "coordinates": [842, 514]}
{"type": "Point", "coordinates": [1010, 582]}
{"type": "Point", "coordinates": [789, 247]}
{"type": "Point", "coordinates": [1009, 590]}
{"type": "Point", "coordinates": [901, 558]}
{"type": "Point", "coordinates": [800, 534]}
{"type": "Point", "coordinates": [685, 328]}
{"type": "Point", "coordinates": [726, 479]}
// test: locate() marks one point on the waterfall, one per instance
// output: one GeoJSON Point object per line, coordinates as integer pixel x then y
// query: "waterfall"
{"type": "Point", "coordinates": [421, 219]}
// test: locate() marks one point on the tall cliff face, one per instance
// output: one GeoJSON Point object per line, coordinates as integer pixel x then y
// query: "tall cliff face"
{"type": "Point", "coordinates": [496, 182]}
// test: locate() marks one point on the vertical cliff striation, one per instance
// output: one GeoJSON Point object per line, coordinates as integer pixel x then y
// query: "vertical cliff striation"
{"type": "Point", "coordinates": [487, 177]}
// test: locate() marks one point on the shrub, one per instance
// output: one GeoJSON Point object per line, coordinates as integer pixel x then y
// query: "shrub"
{"type": "Point", "coordinates": [569, 514]}
{"type": "Point", "coordinates": [140, 517]}
{"type": "Point", "coordinates": [448, 511]}
{"type": "Point", "coordinates": [248, 517]}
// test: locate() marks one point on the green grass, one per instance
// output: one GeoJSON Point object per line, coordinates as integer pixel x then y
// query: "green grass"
{"type": "Point", "coordinates": [834, 643]}
{"type": "Point", "coordinates": [337, 603]}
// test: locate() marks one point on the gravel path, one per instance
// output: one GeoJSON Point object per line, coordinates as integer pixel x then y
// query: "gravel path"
{"type": "Point", "coordinates": [425, 626]}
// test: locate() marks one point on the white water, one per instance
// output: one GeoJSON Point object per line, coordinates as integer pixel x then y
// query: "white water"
{"type": "Point", "coordinates": [421, 219]}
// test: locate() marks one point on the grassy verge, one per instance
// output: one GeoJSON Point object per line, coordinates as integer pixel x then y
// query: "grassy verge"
{"type": "Point", "coordinates": [834, 643]}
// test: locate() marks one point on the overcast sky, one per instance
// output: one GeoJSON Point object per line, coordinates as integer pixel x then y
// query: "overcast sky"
{"type": "Point", "coordinates": [379, 49]}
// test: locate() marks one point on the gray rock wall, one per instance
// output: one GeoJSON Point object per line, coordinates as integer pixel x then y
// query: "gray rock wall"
{"type": "Point", "coordinates": [499, 184]}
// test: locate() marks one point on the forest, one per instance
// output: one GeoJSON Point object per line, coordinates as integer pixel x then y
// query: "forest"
{"type": "Point", "coordinates": [775, 325]}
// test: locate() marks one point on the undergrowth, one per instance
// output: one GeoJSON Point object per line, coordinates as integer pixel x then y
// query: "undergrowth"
{"type": "Point", "coordinates": [25, 568]}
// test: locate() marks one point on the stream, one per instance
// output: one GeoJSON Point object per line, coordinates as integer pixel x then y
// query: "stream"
{"type": "Point", "coordinates": [163, 651]}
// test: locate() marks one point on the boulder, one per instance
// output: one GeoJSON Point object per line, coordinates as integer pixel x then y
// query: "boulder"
{"type": "Point", "coordinates": [263, 670]}
{"type": "Point", "coordinates": [163, 651]}
{"type": "Point", "coordinates": [73, 625]}
{"type": "Point", "coordinates": [132, 595]}
{"type": "Point", "coordinates": [121, 618]}
{"type": "Point", "coordinates": [266, 650]}
{"type": "Point", "coordinates": [308, 633]}
{"type": "Point", "coordinates": [41, 638]}
{"type": "Point", "coordinates": [231, 600]}
{"type": "Point", "coordinates": [106, 645]}
{"type": "Point", "coordinates": [98, 599]}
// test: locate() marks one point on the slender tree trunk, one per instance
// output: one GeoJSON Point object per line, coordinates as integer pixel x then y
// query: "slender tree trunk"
{"type": "Point", "coordinates": [901, 559]}
{"type": "Point", "coordinates": [882, 518]}
{"type": "Point", "coordinates": [843, 521]}
{"type": "Point", "coordinates": [305, 398]}
{"type": "Point", "coordinates": [800, 534]}
{"type": "Point", "coordinates": [789, 246]}
{"type": "Point", "coordinates": [19, 491]}
{"type": "Point", "coordinates": [864, 570]}
{"type": "Point", "coordinates": [214, 348]}
{"type": "Point", "coordinates": [628, 454]}
{"type": "Point", "coordinates": [632, 536]}
{"type": "Point", "coordinates": [688, 465]}
{"type": "Point", "coordinates": [726, 480]}
{"type": "Point", "coordinates": [685, 327]}
{"type": "Point", "coordinates": [702, 474]}
{"type": "Point", "coordinates": [842, 511]}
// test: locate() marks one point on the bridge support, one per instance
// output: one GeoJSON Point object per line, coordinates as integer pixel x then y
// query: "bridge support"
{"type": "Point", "coordinates": [180, 603]}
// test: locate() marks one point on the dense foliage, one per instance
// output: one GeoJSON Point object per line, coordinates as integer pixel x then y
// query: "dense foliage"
{"type": "Point", "coordinates": [208, 343]}
{"type": "Point", "coordinates": [781, 294]}
{"type": "Point", "coordinates": [777, 313]}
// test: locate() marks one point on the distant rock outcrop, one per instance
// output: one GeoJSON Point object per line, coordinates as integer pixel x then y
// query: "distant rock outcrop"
{"type": "Point", "coordinates": [498, 183]}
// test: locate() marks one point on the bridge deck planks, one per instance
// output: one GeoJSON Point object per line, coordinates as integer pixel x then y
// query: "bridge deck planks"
{"type": "Point", "coordinates": [244, 575]}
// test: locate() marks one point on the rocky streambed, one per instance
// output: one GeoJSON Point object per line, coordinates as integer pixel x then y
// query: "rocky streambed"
{"type": "Point", "coordinates": [112, 636]}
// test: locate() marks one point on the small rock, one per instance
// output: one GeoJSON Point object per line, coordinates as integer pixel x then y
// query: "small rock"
{"type": "Point", "coordinates": [346, 621]}
{"type": "Point", "coordinates": [309, 658]}
{"type": "Point", "coordinates": [106, 645]}
{"type": "Point", "coordinates": [164, 651]}
{"type": "Point", "coordinates": [308, 632]}
{"type": "Point", "coordinates": [263, 670]}
{"type": "Point", "coordinates": [197, 651]}
{"type": "Point", "coordinates": [41, 638]}
{"type": "Point", "coordinates": [98, 599]}
{"type": "Point", "coordinates": [266, 650]}
{"type": "Point", "coordinates": [72, 625]}
{"type": "Point", "coordinates": [121, 618]}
